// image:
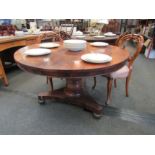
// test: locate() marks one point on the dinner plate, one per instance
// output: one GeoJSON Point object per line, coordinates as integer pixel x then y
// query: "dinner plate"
{"type": "Point", "coordinates": [96, 58]}
{"type": "Point", "coordinates": [99, 44]}
{"type": "Point", "coordinates": [80, 37]}
{"type": "Point", "coordinates": [37, 52]}
{"type": "Point", "coordinates": [110, 34]}
{"type": "Point", "coordinates": [99, 36]}
{"type": "Point", "coordinates": [49, 45]}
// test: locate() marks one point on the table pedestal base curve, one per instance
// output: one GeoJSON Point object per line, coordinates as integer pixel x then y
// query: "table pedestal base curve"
{"type": "Point", "coordinates": [74, 94]}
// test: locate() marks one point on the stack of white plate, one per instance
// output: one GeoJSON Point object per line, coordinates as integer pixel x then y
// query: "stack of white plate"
{"type": "Point", "coordinates": [96, 58]}
{"type": "Point", "coordinates": [75, 45]}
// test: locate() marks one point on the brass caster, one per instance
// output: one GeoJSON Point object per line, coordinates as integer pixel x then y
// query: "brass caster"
{"type": "Point", "coordinates": [41, 101]}
{"type": "Point", "coordinates": [97, 116]}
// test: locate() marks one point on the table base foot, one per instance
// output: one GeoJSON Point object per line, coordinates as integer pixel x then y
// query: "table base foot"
{"type": "Point", "coordinates": [83, 100]}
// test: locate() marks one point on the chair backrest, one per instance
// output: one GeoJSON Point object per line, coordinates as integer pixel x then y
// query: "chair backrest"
{"type": "Point", "coordinates": [122, 35]}
{"type": "Point", "coordinates": [54, 36]}
{"type": "Point", "coordinates": [64, 35]}
{"type": "Point", "coordinates": [137, 39]}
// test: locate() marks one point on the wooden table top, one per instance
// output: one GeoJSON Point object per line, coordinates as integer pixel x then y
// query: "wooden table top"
{"type": "Point", "coordinates": [16, 38]}
{"type": "Point", "coordinates": [64, 63]}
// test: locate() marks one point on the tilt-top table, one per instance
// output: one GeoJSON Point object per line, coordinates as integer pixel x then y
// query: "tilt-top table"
{"type": "Point", "coordinates": [63, 63]}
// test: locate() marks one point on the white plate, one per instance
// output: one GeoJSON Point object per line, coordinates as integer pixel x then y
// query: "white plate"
{"type": "Point", "coordinates": [96, 58]}
{"type": "Point", "coordinates": [81, 37]}
{"type": "Point", "coordinates": [37, 52]}
{"type": "Point", "coordinates": [99, 44]}
{"type": "Point", "coordinates": [99, 36]}
{"type": "Point", "coordinates": [110, 34]}
{"type": "Point", "coordinates": [49, 45]}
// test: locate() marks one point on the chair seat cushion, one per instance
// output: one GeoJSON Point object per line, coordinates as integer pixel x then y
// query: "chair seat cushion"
{"type": "Point", "coordinates": [121, 73]}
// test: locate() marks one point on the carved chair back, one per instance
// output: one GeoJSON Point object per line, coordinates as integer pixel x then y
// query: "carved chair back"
{"type": "Point", "coordinates": [122, 35]}
{"type": "Point", "coordinates": [137, 39]}
{"type": "Point", "coordinates": [64, 35]}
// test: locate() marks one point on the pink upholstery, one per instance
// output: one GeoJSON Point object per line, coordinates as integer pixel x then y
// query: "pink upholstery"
{"type": "Point", "coordinates": [121, 73]}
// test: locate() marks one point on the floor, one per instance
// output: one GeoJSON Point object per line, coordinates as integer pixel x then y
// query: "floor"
{"type": "Point", "coordinates": [20, 112]}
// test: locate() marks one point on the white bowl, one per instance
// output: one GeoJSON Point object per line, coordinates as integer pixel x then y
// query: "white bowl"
{"type": "Point", "coordinates": [75, 45]}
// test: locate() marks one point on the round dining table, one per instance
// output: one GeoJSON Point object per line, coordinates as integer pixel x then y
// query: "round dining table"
{"type": "Point", "coordinates": [62, 63]}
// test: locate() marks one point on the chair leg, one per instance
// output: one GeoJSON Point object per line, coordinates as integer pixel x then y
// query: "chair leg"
{"type": "Point", "coordinates": [109, 88]}
{"type": "Point", "coordinates": [5, 81]}
{"type": "Point", "coordinates": [50, 81]}
{"type": "Point", "coordinates": [115, 83]}
{"type": "Point", "coordinates": [47, 79]}
{"type": "Point", "coordinates": [93, 87]}
{"type": "Point", "coordinates": [127, 84]}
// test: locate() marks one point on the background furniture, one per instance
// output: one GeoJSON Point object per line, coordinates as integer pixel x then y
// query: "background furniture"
{"type": "Point", "coordinates": [90, 38]}
{"type": "Point", "coordinates": [68, 28]}
{"type": "Point", "coordinates": [7, 45]}
{"type": "Point", "coordinates": [7, 30]}
{"type": "Point", "coordinates": [112, 26]}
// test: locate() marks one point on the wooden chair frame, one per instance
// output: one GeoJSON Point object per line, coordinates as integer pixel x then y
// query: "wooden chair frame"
{"type": "Point", "coordinates": [123, 38]}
